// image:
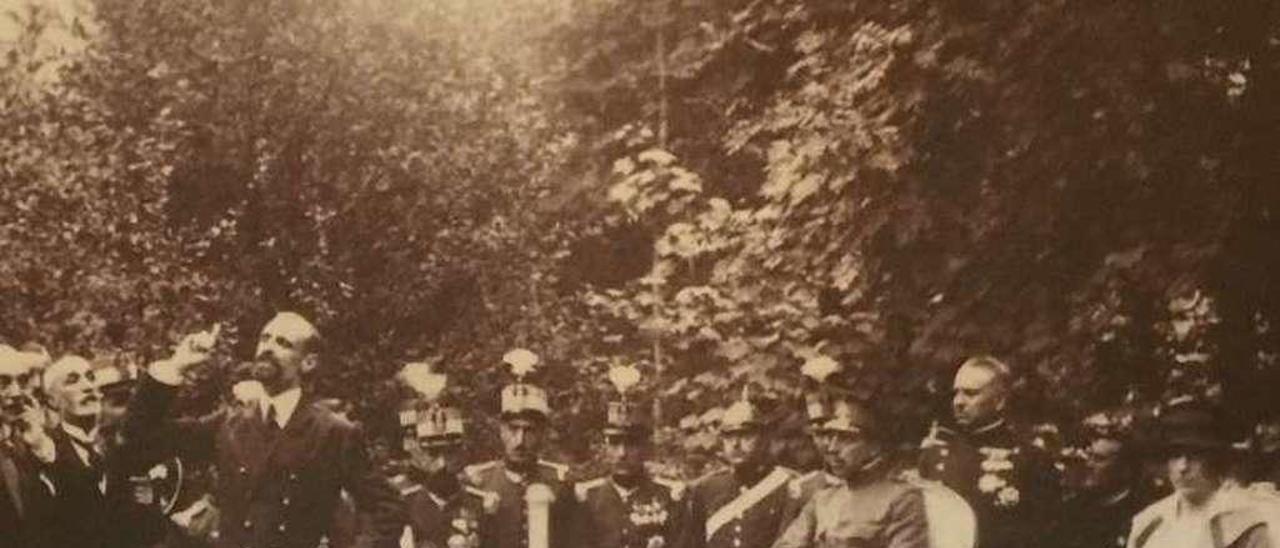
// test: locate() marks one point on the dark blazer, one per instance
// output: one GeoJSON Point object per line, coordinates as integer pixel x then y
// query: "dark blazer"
{"type": "Point", "coordinates": [26, 503]}
{"type": "Point", "coordinates": [276, 488]}
{"type": "Point", "coordinates": [81, 503]}
{"type": "Point", "coordinates": [651, 515]}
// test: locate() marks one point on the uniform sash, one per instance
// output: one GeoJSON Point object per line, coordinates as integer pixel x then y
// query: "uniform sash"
{"type": "Point", "coordinates": [745, 500]}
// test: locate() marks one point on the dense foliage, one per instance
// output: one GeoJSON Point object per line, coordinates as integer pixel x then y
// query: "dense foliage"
{"type": "Point", "coordinates": [717, 190]}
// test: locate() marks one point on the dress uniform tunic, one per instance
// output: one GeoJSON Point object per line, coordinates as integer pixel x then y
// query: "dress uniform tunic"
{"type": "Point", "coordinates": [806, 486]}
{"type": "Point", "coordinates": [1011, 485]}
{"type": "Point", "coordinates": [277, 487]}
{"type": "Point", "coordinates": [510, 523]}
{"type": "Point", "coordinates": [726, 511]}
{"type": "Point", "coordinates": [456, 521]}
{"type": "Point", "coordinates": [648, 515]}
{"type": "Point", "coordinates": [878, 512]}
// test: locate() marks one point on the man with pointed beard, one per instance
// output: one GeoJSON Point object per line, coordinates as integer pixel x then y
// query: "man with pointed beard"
{"type": "Point", "coordinates": [281, 463]}
{"type": "Point", "coordinates": [748, 504]}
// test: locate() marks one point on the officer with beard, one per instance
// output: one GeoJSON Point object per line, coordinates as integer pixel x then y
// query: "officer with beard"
{"type": "Point", "coordinates": [443, 512]}
{"type": "Point", "coordinates": [748, 504]}
{"type": "Point", "coordinates": [282, 463]}
{"type": "Point", "coordinates": [629, 508]}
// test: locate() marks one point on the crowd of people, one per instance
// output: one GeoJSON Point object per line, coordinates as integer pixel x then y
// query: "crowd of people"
{"type": "Point", "coordinates": [98, 457]}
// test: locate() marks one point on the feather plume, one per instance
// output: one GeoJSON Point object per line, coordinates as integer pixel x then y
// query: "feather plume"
{"type": "Point", "coordinates": [624, 377]}
{"type": "Point", "coordinates": [420, 377]}
{"type": "Point", "coordinates": [522, 362]}
{"type": "Point", "coordinates": [819, 367]}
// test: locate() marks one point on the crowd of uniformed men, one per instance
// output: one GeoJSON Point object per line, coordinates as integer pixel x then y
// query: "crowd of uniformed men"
{"type": "Point", "coordinates": [97, 457]}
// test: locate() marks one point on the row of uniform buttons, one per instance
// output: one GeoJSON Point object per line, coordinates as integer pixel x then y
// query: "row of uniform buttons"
{"type": "Point", "coordinates": [284, 501]}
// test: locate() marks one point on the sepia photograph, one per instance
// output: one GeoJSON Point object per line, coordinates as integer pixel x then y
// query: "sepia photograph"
{"type": "Point", "coordinates": [639, 274]}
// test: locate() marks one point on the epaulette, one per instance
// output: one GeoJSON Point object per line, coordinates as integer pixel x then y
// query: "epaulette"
{"type": "Point", "coordinates": [404, 485]}
{"type": "Point", "coordinates": [489, 500]}
{"type": "Point", "coordinates": [789, 471]}
{"type": "Point", "coordinates": [474, 471]}
{"type": "Point", "coordinates": [709, 475]}
{"type": "Point", "coordinates": [562, 471]}
{"type": "Point", "coordinates": [582, 488]}
{"type": "Point", "coordinates": [676, 487]}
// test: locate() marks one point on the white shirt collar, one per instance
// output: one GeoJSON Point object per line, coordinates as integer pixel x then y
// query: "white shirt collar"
{"type": "Point", "coordinates": [78, 434]}
{"type": "Point", "coordinates": [285, 404]}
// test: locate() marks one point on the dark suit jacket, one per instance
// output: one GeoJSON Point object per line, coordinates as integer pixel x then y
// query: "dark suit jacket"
{"type": "Point", "coordinates": [20, 486]}
{"type": "Point", "coordinates": [276, 488]}
{"type": "Point", "coordinates": [85, 518]}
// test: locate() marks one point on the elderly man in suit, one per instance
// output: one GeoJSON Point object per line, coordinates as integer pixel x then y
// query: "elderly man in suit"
{"type": "Point", "coordinates": [281, 464]}
{"type": "Point", "coordinates": [79, 470]}
{"type": "Point", "coordinates": [26, 503]}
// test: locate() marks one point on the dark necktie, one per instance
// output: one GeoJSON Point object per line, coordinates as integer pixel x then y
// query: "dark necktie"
{"type": "Point", "coordinates": [272, 424]}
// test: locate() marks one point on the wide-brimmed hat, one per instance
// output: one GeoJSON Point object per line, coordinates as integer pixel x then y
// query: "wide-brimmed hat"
{"type": "Point", "coordinates": [1192, 425]}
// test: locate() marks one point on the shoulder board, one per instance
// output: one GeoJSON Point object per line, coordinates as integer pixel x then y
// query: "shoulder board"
{"type": "Point", "coordinates": [583, 487]}
{"type": "Point", "coordinates": [474, 472]}
{"type": "Point", "coordinates": [788, 471]}
{"type": "Point", "coordinates": [562, 471]}
{"type": "Point", "coordinates": [489, 499]}
{"type": "Point", "coordinates": [708, 476]}
{"type": "Point", "coordinates": [676, 487]}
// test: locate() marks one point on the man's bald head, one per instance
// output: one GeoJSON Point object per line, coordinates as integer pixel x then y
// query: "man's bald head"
{"type": "Point", "coordinates": [980, 391]}
{"type": "Point", "coordinates": [288, 347]}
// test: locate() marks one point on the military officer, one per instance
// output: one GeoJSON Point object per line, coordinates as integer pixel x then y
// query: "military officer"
{"type": "Point", "coordinates": [749, 503]}
{"type": "Point", "coordinates": [283, 462]}
{"type": "Point", "coordinates": [872, 507]}
{"type": "Point", "coordinates": [629, 508]}
{"type": "Point", "coordinates": [818, 411]}
{"type": "Point", "coordinates": [442, 511]}
{"type": "Point", "coordinates": [141, 495]}
{"type": "Point", "coordinates": [1010, 484]}
{"type": "Point", "coordinates": [534, 498]}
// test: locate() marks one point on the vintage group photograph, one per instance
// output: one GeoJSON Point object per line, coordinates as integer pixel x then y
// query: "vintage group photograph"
{"type": "Point", "coordinates": [639, 274]}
